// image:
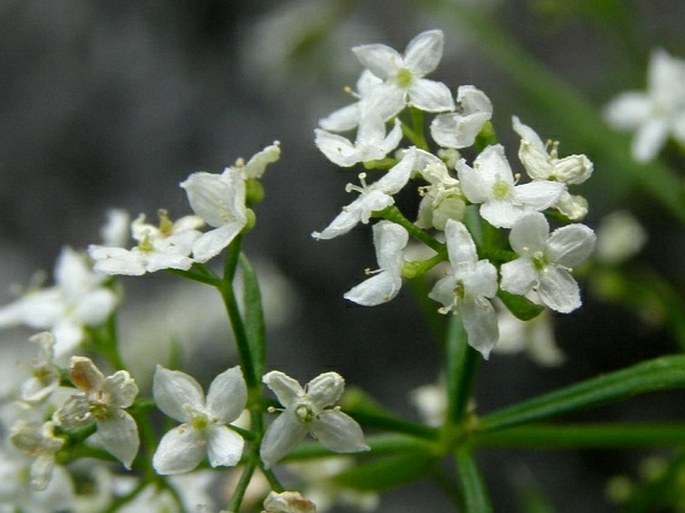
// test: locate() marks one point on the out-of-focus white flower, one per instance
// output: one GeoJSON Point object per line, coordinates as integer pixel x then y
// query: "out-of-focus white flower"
{"type": "Point", "coordinates": [203, 430]}
{"type": "Point", "coordinates": [102, 400]}
{"type": "Point", "coordinates": [656, 114]}
{"type": "Point", "coordinates": [402, 75]}
{"type": "Point", "coordinates": [542, 160]}
{"type": "Point", "coordinates": [619, 237]}
{"type": "Point", "coordinates": [491, 183]}
{"type": "Point", "coordinates": [468, 288]}
{"type": "Point", "coordinates": [288, 502]}
{"type": "Point", "coordinates": [116, 230]}
{"type": "Point", "coordinates": [459, 129]}
{"type": "Point", "coordinates": [372, 198]}
{"type": "Point", "coordinates": [389, 239]}
{"type": "Point", "coordinates": [40, 444]}
{"type": "Point", "coordinates": [77, 299]}
{"type": "Point", "coordinates": [45, 375]}
{"type": "Point", "coordinates": [545, 261]}
{"type": "Point", "coordinates": [535, 337]}
{"type": "Point", "coordinates": [431, 403]}
{"type": "Point", "coordinates": [372, 142]}
{"type": "Point", "coordinates": [166, 246]}
{"type": "Point", "coordinates": [319, 485]}
{"type": "Point", "coordinates": [309, 409]}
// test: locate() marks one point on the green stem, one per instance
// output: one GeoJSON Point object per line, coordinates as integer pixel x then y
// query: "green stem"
{"type": "Point", "coordinates": [242, 485]}
{"type": "Point", "coordinates": [571, 436]}
{"type": "Point", "coordinates": [476, 498]}
{"type": "Point", "coordinates": [392, 213]}
{"type": "Point", "coordinates": [462, 361]}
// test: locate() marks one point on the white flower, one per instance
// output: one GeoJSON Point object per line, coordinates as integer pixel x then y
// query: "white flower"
{"type": "Point", "coordinates": [77, 299]}
{"type": "Point", "coordinates": [535, 337]}
{"type": "Point", "coordinates": [403, 74]}
{"type": "Point", "coordinates": [45, 375]}
{"type": "Point", "coordinates": [546, 261]}
{"type": "Point", "coordinates": [389, 240]}
{"type": "Point", "coordinates": [220, 201]}
{"type": "Point", "coordinates": [431, 403]}
{"type": "Point", "coordinates": [655, 114]}
{"type": "Point", "coordinates": [166, 246]}
{"type": "Point", "coordinates": [102, 400]}
{"type": "Point", "coordinates": [372, 142]}
{"type": "Point", "coordinates": [203, 430]}
{"type": "Point", "coordinates": [468, 288]}
{"type": "Point", "coordinates": [39, 442]}
{"type": "Point", "coordinates": [372, 198]}
{"type": "Point", "coordinates": [491, 183]}
{"type": "Point", "coordinates": [288, 502]}
{"type": "Point", "coordinates": [619, 237]}
{"type": "Point", "coordinates": [459, 129]}
{"type": "Point", "coordinates": [542, 160]}
{"type": "Point", "coordinates": [309, 410]}
{"type": "Point", "coordinates": [372, 102]}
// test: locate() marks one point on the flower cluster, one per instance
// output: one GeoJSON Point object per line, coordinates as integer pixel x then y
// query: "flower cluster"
{"type": "Point", "coordinates": [534, 264]}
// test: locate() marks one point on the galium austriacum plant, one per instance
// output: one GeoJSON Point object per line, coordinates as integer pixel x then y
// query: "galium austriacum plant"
{"type": "Point", "coordinates": [500, 236]}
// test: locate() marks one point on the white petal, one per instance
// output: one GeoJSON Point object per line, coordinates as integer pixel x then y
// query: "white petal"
{"type": "Point", "coordinates": [343, 119]}
{"type": "Point", "coordinates": [337, 148]}
{"type": "Point", "coordinates": [538, 194]}
{"type": "Point", "coordinates": [518, 276]}
{"type": "Point", "coordinates": [389, 239]}
{"type": "Point", "coordinates": [119, 436]}
{"type": "Point", "coordinates": [227, 395]}
{"type": "Point", "coordinates": [480, 323]}
{"type": "Point", "coordinates": [455, 130]}
{"type": "Point", "coordinates": [649, 139]}
{"type": "Point", "coordinates": [180, 450]}
{"type": "Point", "coordinates": [94, 307]}
{"type": "Point", "coordinates": [443, 291]}
{"type": "Point", "coordinates": [68, 335]}
{"type": "Point", "coordinates": [460, 246]}
{"type": "Point", "coordinates": [423, 53]}
{"type": "Point", "coordinates": [628, 110]}
{"type": "Point", "coordinates": [473, 185]}
{"type": "Point", "coordinates": [213, 242]}
{"type": "Point", "coordinates": [376, 290]}
{"type": "Point", "coordinates": [114, 260]}
{"type": "Point", "coordinates": [120, 389]}
{"type": "Point", "coordinates": [256, 166]}
{"type": "Point", "coordinates": [85, 375]}
{"type": "Point", "coordinates": [558, 290]}
{"type": "Point", "coordinates": [218, 199]}
{"type": "Point", "coordinates": [281, 437]}
{"type": "Point", "coordinates": [473, 101]}
{"type": "Point", "coordinates": [529, 234]}
{"type": "Point", "coordinates": [528, 134]}
{"type": "Point", "coordinates": [502, 214]}
{"type": "Point", "coordinates": [381, 60]}
{"type": "Point", "coordinates": [481, 280]}
{"type": "Point", "coordinates": [430, 96]}
{"type": "Point", "coordinates": [224, 447]}
{"type": "Point", "coordinates": [325, 389]}
{"type": "Point", "coordinates": [174, 389]}
{"type": "Point", "coordinates": [571, 245]}
{"type": "Point", "coordinates": [287, 389]}
{"type": "Point", "coordinates": [338, 432]}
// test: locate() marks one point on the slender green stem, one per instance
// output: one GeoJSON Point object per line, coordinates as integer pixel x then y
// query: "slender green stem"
{"type": "Point", "coordinates": [199, 273]}
{"type": "Point", "coordinates": [241, 487]}
{"type": "Point", "coordinates": [462, 361]}
{"type": "Point", "coordinates": [419, 128]}
{"type": "Point", "coordinates": [392, 213]}
{"type": "Point", "coordinates": [476, 498]}
{"type": "Point", "coordinates": [394, 425]}
{"type": "Point", "coordinates": [545, 436]}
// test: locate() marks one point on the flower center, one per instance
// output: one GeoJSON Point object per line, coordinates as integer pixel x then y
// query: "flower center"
{"type": "Point", "coordinates": [404, 77]}
{"type": "Point", "coordinates": [500, 189]}
{"type": "Point", "coordinates": [361, 189]}
{"type": "Point", "coordinates": [304, 413]}
{"type": "Point", "coordinates": [539, 261]}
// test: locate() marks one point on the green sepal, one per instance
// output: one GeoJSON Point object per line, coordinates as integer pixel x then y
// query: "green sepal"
{"type": "Point", "coordinates": [521, 307]}
{"type": "Point", "coordinates": [254, 192]}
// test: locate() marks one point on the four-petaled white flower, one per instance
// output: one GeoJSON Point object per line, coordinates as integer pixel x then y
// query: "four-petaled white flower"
{"type": "Point", "coordinates": [166, 246]}
{"type": "Point", "coordinates": [389, 240]}
{"type": "Point", "coordinates": [45, 374]}
{"type": "Point", "coordinates": [39, 442]}
{"type": "Point", "coordinates": [372, 198]}
{"type": "Point", "coordinates": [77, 299]}
{"type": "Point", "coordinates": [468, 288]}
{"type": "Point", "coordinates": [372, 142]}
{"type": "Point", "coordinates": [459, 129]}
{"type": "Point", "coordinates": [491, 183]}
{"type": "Point", "coordinates": [309, 409]}
{"type": "Point", "coordinates": [656, 114]}
{"type": "Point", "coordinates": [204, 429]}
{"type": "Point", "coordinates": [102, 400]}
{"type": "Point", "coordinates": [545, 261]}
{"type": "Point", "coordinates": [402, 75]}
{"type": "Point", "coordinates": [542, 160]}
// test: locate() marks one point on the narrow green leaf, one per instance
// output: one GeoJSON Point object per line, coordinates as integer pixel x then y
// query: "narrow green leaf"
{"type": "Point", "coordinates": [658, 374]}
{"type": "Point", "coordinates": [253, 315]}
{"type": "Point", "coordinates": [386, 473]}
{"type": "Point", "coordinates": [462, 361]}
{"type": "Point", "coordinates": [476, 499]}
{"type": "Point", "coordinates": [520, 306]}
{"type": "Point", "coordinates": [568, 436]}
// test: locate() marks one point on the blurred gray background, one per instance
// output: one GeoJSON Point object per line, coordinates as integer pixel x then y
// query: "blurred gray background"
{"type": "Point", "coordinates": [111, 104]}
